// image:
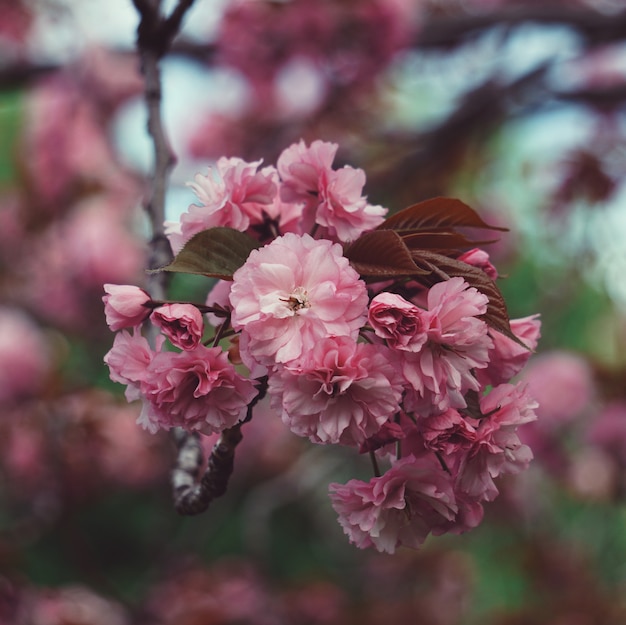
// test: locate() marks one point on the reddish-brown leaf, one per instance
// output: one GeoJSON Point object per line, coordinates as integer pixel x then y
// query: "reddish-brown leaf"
{"type": "Point", "coordinates": [438, 212]}
{"type": "Point", "coordinates": [381, 254]}
{"type": "Point", "coordinates": [445, 241]}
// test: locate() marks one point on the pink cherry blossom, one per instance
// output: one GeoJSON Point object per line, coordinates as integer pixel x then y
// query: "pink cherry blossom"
{"type": "Point", "coordinates": [497, 449]}
{"type": "Point", "coordinates": [197, 389]}
{"type": "Point", "coordinates": [448, 432]}
{"type": "Point", "coordinates": [332, 198]}
{"type": "Point", "coordinates": [399, 508]}
{"type": "Point", "coordinates": [339, 392]}
{"type": "Point", "coordinates": [125, 306]}
{"type": "Point", "coordinates": [128, 360]}
{"type": "Point", "coordinates": [507, 357]}
{"type": "Point", "coordinates": [458, 342]}
{"type": "Point", "coordinates": [342, 210]}
{"type": "Point", "coordinates": [181, 323]}
{"type": "Point", "coordinates": [228, 196]}
{"type": "Point", "coordinates": [300, 166]}
{"type": "Point", "coordinates": [400, 323]}
{"type": "Point", "coordinates": [292, 293]}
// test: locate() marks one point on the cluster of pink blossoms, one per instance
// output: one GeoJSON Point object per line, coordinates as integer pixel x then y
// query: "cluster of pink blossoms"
{"type": "Point", "coordinates": [411, 374]}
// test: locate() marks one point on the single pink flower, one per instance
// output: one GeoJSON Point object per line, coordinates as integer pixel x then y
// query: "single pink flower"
{"type": "Point", "coordinates": [339, 392]}
{"type": "Point", "coordinates": [399, 508]}
{"type": "Point", "coordinates": [125, 306]}
{"type": "Point", "coordinates": [331, 198]}
{"type": "Point", "coordinates": [181, 323]}
{"type": "Point", "coordinates": [293, 292]}
{"type": "Point", "coordinates": [441, 373]}
{"type": "Point", "coordinates": [300, 166]}
{"type": "Point", "coordinates": [454, 309]}
{"type": "Point", "coordinates": [507, 357]}
{"type": "Point", "coordinates": [197, 389]}
{"type": "Point", "coordinates": [402, 324]}
{"type": "Point", "coordinates": [343, 210]}
{"type": "Point", "coordinates": [229, 197]}
{"type": "Point", "coordinates": [128, 360]}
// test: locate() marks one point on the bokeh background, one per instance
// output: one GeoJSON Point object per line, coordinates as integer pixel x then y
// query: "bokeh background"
{"type": "Point", "coordinates": [515, 107]}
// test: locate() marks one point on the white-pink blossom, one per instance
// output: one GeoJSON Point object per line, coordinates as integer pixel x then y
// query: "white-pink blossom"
{"type": "Point", "coordinates": [343, 210]}
{"type": "Point", "coordinates": [338, 392]}
{"type": "Point", "coordinates": [181, 323]}
{"type": "Point", "coordinates": [125, 306]}
{"type": "Point", "coordinates": [401, 507]}
{"type": "Point", "coordinates": [229, 197]}
{"type": "Point", "coordinates": [197, 389]}
{"type": "Point", "coordinates": [331, 198]}
{"type": "Point", "coordinates": [301, 166]}
{"type": "Point", "coordinates": [292, 293]}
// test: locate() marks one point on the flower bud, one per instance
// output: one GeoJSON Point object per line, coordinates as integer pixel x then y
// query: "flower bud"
{"type": "Point", "coordinates": [125, 306]}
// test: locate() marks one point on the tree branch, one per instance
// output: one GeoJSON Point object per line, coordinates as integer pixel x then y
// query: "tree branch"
{"type": "Point", "coordinates": [192, 495]}
{"type": "Point", "coordinates": [155, 34]}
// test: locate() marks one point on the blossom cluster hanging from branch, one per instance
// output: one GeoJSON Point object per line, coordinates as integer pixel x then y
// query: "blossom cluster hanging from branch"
{"type": "Point", "coordinates": [385, 334]}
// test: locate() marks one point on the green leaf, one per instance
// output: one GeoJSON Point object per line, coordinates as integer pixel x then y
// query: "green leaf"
{"type": "Point", "coordinates": [217, 253]}
{"type": "Point", "coordinates": [381, 254]}
{"type": "Point", "coordinates": [440, 213]}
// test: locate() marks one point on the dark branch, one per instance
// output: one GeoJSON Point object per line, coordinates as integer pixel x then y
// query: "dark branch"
{"type": "Point", "coordinates": [155, 34]}
{"type": "Point", "coordinates": [192, 495]}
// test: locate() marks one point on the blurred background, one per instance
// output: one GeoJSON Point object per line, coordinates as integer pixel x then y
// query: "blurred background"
{"type": "Point", "coordinates": [515, 107]}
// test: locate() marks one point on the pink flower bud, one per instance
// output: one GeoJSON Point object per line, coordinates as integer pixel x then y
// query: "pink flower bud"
{"type": "Point", "coordinates": [400, 323]}
{"type": "Point", "coordinates": [479, 258]}
{"type": "Point", "coordinates": [181, 323]}
{"type": "Point", "coordinates": [125, 306]}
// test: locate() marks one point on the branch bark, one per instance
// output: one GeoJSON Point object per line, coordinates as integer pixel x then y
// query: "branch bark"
{"type": "Point", "coordinates": [192, 491]}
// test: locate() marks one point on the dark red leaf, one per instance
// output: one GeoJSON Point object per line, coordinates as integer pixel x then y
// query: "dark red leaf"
{"type": "Point", "coordinates": [444, 241]}
{"type": "Point", "coordinates": [439, 212]}
{"type": "Point", "coordinates": [381, 254]}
